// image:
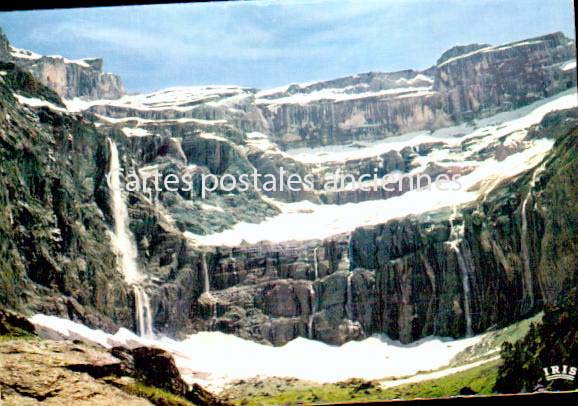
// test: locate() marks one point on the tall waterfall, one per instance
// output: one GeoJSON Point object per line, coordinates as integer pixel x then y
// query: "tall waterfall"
{"type": "Point", "coordinates": [313, 300]}
{"type": "Point", "coordinates": [206, 283]}
{"type": "Point", "coordinates": [209, 298]}
{"type": "Point", "coordinates": [454, 243]}
{"type": "Point", "coordinates": [315, 263]}
{"type": "Point", "coordinates": [350, 253]}
{"type": "Point", "coordinates": [125, 246]}
{"type": "Point", "coordinates": [524, 244]}
{"type": "Point", "coordinates": [143, 311]}
{"type": "Point", "coordinates": [349, 303]}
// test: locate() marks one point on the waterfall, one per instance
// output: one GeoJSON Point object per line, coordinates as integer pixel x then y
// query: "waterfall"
{"type": "Point", "coordinates": [206, 286]}
{"type": "Point", "coordinates": [349, 303]}
{"type": "Point", "coordinates": [210, 299]}
{"type": "Point", "coordinates": [350, 253]}
{"type": "Point", "coordinates": [315, 263]}
{"type": "Point", "coordinates": [313, 300]}
{"type": "Point", "coordinates": [125, 246]}
{"type": "Point", "coordinates": [454, 245]}
{"type": "Point", "coordinates": [144, 313]}
{"type": "Point", "coordinates": [524, 245]}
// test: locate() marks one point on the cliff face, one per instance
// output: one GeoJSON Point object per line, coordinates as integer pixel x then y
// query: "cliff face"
{"type": "Point", "coordinates": [493, 79]}
{"type": "Point", "coordinates": [468, 82]}
{"type": "Point", "coordinates": [53, 236]}
{"type": "Point", "coordinates": [493, 261]}
{"type": "Point", "coordinates": [82, 78]}
{"type": "Point", "coordinates": [404, 278]}
{"type": "Point", "coordinates": [518, 248]}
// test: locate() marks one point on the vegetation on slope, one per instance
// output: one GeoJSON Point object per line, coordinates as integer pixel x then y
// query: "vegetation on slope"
{"type": "Point", "coordinates": [553, 342]}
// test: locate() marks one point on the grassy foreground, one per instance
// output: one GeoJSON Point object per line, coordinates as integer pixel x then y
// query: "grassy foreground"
{"type": "Point", "coordinates": [480, 379]}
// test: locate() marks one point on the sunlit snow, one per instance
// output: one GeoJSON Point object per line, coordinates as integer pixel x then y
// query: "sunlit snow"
{"type": "Point", "coordinates": [305, 220]}
{"type": "Point", "coordinates": [215, 359]}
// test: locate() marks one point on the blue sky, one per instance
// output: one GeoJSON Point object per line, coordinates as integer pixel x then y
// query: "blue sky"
{"type": "Point", "coordinates": [264, 44]}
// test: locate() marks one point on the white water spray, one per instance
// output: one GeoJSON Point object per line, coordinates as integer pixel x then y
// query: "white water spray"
{"type": "Point", "coordinates": [454, 242]}
{"type": "Point", "coordinates": [349, 303]}
{"type": "Point", "coordinates": [315, 263]}
{"type": "Point", "coordinates": [350, 253]}
{"type": "Point", "coordinates": [210, 299]}
{"type": "Point", "coordinates": [125, 246]}
{"type": "Point", "coordinates": [524, 245]}
{"type": "Point", "coordinates": [206, 283]}
{"type": "Point", "coordinates": [313, 300]}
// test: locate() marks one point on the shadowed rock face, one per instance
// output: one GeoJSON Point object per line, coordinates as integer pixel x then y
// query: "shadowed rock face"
{"type": "Point", "coordinates": [56, 251]}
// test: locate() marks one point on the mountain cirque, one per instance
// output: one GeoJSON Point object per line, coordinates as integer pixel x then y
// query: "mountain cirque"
{"type": "Point", "coordinates": [333, 279]}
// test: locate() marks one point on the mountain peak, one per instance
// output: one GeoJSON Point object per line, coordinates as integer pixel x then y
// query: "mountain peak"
{"type": "Point", "coordinates": [459, 50]}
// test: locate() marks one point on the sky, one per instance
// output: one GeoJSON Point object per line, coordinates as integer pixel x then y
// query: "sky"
{"type": "Point", "coordinates": [264, 44]}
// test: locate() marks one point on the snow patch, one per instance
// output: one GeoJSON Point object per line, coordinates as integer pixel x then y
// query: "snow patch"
{"type": "Point", "coordinates": [322, 221]}
{"type": "Point", "coordinates": [568, 66]}
{"type": "Point", "coordinates": [135, 132]}
{"type": "Point", "coordinates": [214, 359]}
{"type": "Point", "coordinates": [24, 54]}
{"type": "Point", "coordinates": [35, 102]}
{"type": "Point", "coordinates": [340, 94]}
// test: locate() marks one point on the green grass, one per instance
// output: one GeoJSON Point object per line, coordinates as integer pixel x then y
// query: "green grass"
{"type": "Point", "coordinates": [492, 343]}
{"type": "Point", "coordinates": [156, 396]}
{"type": "Point", "coordinates": [480, 379]}
{"type": "Point", "coordinates": [17, 334]}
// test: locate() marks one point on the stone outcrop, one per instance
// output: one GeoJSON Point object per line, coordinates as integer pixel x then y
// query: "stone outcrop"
{"type": "Point", "coordinates": [37, 372]}
{"type": "Point", "coordinates": [4, 47]}
{"type": "Point", "coordinates": [82, 78]}
{"type": "Point", "coordinates": [13, 324]}
{"type": "Point", "coordinates": [157, 368]}
{"type": "Point", "coordinates": [70, 79]}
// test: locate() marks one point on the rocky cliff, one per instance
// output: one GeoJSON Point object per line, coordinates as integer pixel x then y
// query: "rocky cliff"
{"type": "Point", "coordinates": [56, 253]}
{"type": "Point", "coordinates": [492, 79]}
{"type": "Point", "coordinates": [466, 83]}
{"type": "Point", "coordinates": [404, 277]}
{"type": "Point", "coordinates": [81, 78]}
{"type": "Point", "coordinates": [328, 265]}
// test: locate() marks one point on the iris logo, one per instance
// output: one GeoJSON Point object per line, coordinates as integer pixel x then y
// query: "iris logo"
{"type": "Point", "coordinates": [560, 372]}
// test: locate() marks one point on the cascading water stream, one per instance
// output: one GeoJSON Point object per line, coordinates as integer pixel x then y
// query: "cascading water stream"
{"type": "Point", "coordinates": [349, 303]}
{"type": "Point", "coordinates": [207, 290]}
{"type": "Point", "coordinates": [143, 310]}
{"type": "Point", "coordinates": [125, 246]}
{"type": "Point", "coordinates": [206, 285]}
{"type": "Point", "coordinates": [454, 245]}
{"type": "Point", "coordinates": [315, 263]}
{"type": "Point", "coordinates": [524, 244]}
{"type": "Point", "coordinates": [350, 254]}
{"type": "Point", "coordinates": [313, 300]}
